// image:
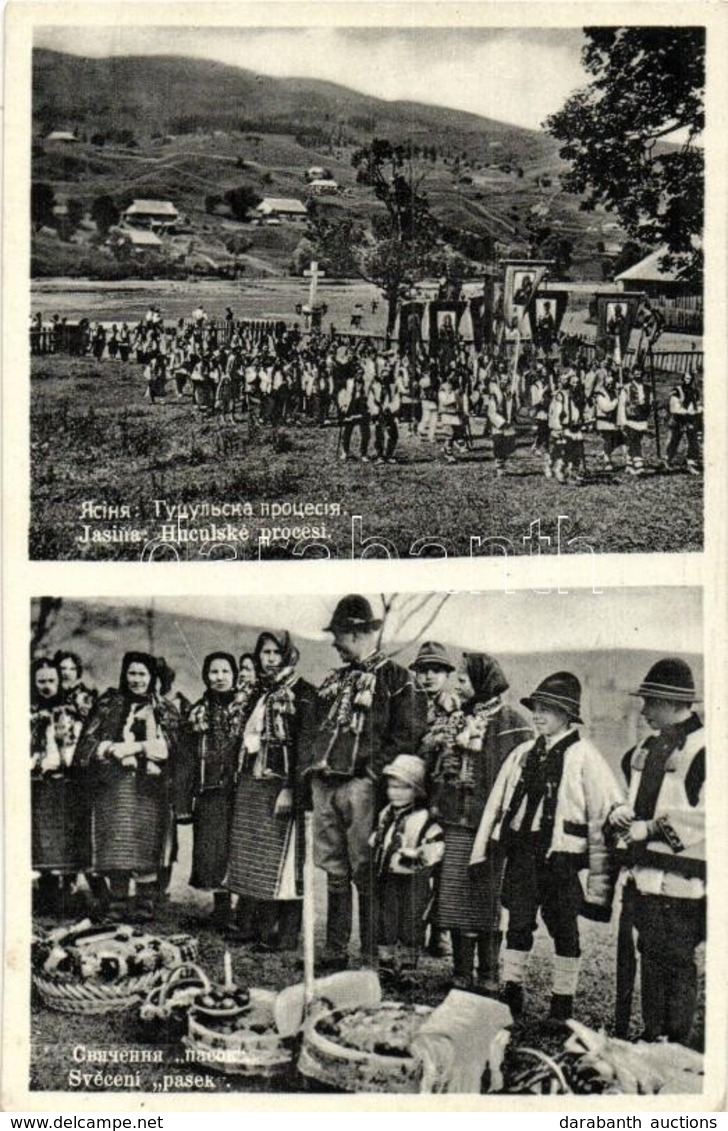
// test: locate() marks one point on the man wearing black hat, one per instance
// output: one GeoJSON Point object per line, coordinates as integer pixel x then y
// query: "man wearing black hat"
{"type": "Point", "coordinates": [662, 828]}
{"type": "Point", "coordinates": [371, 711]}
{"type": "Point", "coordinates": [547, 811]}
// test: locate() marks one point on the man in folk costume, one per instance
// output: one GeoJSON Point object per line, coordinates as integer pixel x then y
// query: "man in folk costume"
{"type": "Point", "coordinates": [371, 711]}
{"type": "Point", "coordinates": [685, 417]}
{"type": "Point", "coordinates": [574, 430]}
{"type": "Point", "coordinates": [559, 416]}
{"type": "Point", "coordinates": [354, 409]}
{"type": "Point", "coordinates": [606, 402]}
{"type": "Point", "coordinates": [633, 416]}
{"type": "Point", "coordinates": [433, 668]}
{"type": "Point", "coordinates": [547, 811]}
{"type": "Point", "coordinates": [540, 398]}
{"type": "Point", "coordinates": [501, 416]}
{"type": "Point", "coordinates": [662, 828]}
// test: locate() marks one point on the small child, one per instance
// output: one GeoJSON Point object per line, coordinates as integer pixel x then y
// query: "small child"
{"type": "Point", "coordinates": [407, 845]}
{"type": "Point", "coordinates": [547, 810]}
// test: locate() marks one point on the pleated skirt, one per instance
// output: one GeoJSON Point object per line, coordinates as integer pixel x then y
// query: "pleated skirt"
{"type": "Point", "coordinates": [466, 902]}
{"type": "Point", "coordinates": [262, 846]}
{"type": "Point", "coordinates": [60, 825]}
{"type": "Point", "coordinates": [131, 822]}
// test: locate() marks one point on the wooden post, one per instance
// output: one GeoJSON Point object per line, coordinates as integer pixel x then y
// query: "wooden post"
{"type": "Point", "coordinates": [309, 916]}
{"type": "Point", "coordinates": [655, 410]}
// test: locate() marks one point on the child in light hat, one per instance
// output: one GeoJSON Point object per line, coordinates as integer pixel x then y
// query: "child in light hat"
{"type": "Point", "coordinates": [407, 845]}
{"type": "Point", "coordinates": [547, 811]}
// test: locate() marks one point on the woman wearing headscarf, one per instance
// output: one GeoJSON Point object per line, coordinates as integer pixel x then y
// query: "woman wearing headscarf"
{"type": "Point", "coordinates": [206, 783]}
{"type": "Point", "coordinates": [266, 846]}
{"type": "Point", "coordinates": [247, 676]}
{"type": "Point", "coordinates": [129, 745]}
{"type": "Point", "coordinates": [467, 899]}
{"type": "Point", "coordinates": [59, 823]}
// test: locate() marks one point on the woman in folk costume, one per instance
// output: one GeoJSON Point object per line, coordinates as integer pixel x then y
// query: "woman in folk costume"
{"type": "Point", "coordinates": [75, 692]}
{"type": "Point", "coordinates": [60, 818]}
{"type": "Point", "coordinates": [247, 677]}
{"type": "Point", "coordinates": [633, 417]}
{"type": "Point", "coordinates": [266, 839]}
{"type": "Point", "coordinates": [469, 905]}
{"type": "Point", "coordinates": [547, 812]}
{"type": "Point", "coordinates": [129, 745]}
{"type": "Point", "coordinates": [205, 785]}
{"type": "Point", "coordinates": [433, 668]}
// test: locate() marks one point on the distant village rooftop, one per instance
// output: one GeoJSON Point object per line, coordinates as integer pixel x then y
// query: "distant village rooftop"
{"type": "Point", "coordinates": [161, 209]}
{"type": "Point", "coordinates": [281, 206]}
{"type": "Point", "coordinates": [62, 135]}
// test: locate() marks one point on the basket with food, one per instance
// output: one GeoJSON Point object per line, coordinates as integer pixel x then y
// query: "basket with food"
{"type": "Point", "coordinates": [233, 1030]}
{"type": "Point", "coordinates": [364, 1049]}
{"type": "Point", "coordinates": [102, 969]}
{"type": "Point", "coordinates": [166, 1005]}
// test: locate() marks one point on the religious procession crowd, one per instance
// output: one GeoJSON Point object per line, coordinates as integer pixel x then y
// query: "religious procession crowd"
{"type": "Point", "coordinates": [446, 810]}
{"type": "Point", "coordinates": [285, 376]}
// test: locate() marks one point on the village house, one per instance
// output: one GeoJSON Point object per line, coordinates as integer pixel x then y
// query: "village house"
{"type": "Point", "coordinates": [152, 214]}
{"type": "Point", "coordinates": [281, 208]}
{"type": "Point", "coordinates": [62, 137]}
{"type": "Point", "coordinates": [679, 302]}
{"type": "Point", "coordinates": [137, 240]}
{"type": "Point", "coordinates": [323, 186]}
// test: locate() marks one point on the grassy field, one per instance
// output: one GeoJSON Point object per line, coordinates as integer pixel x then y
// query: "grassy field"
{"type": "Point", "coordinates": [54, 1036]}
{"type": "Point", "coordinates": [94, 437]}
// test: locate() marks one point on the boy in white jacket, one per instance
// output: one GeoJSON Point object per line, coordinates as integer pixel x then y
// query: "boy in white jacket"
{"type": "Point", "coordinates": [548, 809]}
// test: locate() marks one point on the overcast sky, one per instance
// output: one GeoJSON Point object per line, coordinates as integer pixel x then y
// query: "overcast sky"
{"type": "Point", "coordinates": [517, 75]}
{"type": "Point", "coordinates": [663, 619]}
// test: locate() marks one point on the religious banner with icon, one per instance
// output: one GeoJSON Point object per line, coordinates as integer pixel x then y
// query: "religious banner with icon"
{"type": "Point", "coordinates": [546, 313]}
{"type": "Point", "coordinates": [616, 315]}
{"type": "Point", "coordinates": [444, 322]}
{"type": "Point", "coordinates": [521, 281]}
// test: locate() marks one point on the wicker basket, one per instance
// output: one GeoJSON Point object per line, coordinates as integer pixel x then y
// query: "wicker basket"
{"type": "Point", "coordinates": [71, 993]}
{"type": "Point", "coordinates": [95, 997]}
{"type": "Point", "coordinates": [348, 1069]}
{"type": "Point", "coordinates": [243, 1050]}
{"type": "Point", "coordinates": [167, 1003]}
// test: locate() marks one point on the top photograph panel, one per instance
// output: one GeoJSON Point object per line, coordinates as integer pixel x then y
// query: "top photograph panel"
{"type": "Point", "coordinates": [345, 292]}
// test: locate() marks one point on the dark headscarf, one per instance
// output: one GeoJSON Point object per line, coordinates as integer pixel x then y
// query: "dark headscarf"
{"type": "Point", "coordinates": [486, 676]}
{"type": "Point", "coordinates": [62, 655]}
{"type": "Point", "coordinates": [282, 641]}
{"type": "Point", "coordinates": [246, 656]}
{"type": "Point", "coordinates": [207, 664]}
{"type": "Point", "coordinates": [166, 676]}
{"type": "Point", "coordinates": [37, 700]}
{"type": "Point", "coordinates": [149, 663]}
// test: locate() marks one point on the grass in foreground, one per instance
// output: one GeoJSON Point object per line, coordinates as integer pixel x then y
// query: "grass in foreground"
{"type": "Point", "coordinates": [94, 437]}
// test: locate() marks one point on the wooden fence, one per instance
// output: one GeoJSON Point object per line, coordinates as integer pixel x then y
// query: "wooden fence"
{"type": "Point", "coordinates": [72, 339]}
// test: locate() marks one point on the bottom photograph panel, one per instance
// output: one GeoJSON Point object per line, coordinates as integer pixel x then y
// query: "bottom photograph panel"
{"type": "Point", "coordinates": [392, 843]}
